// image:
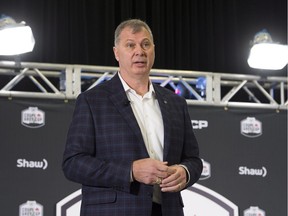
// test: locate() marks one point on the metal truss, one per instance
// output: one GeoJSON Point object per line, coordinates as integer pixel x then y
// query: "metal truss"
{"type": "Point", "coordinates": [61, 81]}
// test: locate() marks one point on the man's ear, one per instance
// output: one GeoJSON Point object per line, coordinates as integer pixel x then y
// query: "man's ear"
{"type": "Point", "coordinates": [115, 53]}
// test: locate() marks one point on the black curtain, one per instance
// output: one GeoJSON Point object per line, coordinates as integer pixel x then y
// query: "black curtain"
{"type": "Point", "coordinates": [205, 35]}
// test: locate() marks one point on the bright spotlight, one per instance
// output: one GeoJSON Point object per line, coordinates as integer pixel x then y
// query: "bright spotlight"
{"type": "Point", "coordinates": [15, 38]}
{"type": "Point", "coordinates": [265, 54]}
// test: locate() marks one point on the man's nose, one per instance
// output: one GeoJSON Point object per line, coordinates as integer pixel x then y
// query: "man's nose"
{"type": "Point", "coordinates": [139, 50]}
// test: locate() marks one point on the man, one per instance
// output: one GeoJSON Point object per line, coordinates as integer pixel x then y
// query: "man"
{"type": "Point", "coordinates": [130, 143]}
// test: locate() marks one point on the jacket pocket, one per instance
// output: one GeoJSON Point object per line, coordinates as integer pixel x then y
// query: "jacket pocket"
{"type": "Point", "coordinates": [98, 196]}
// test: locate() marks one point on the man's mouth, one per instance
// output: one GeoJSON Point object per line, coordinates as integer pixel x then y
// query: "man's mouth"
{"type": "Point", "coordinates": [140, 63]}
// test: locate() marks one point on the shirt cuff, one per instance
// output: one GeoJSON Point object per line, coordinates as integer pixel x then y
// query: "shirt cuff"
{"type": "Point", "coordinates": [131, 176]}
{"type": "Point", "coordinates": [187, 172]}
{"type": "Point", "coordinates": [131, 173]}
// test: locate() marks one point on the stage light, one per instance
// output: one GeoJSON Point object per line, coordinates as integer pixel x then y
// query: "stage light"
{"type": "Point", "coordinates": [201, 85]}
{"type": "Point", "coordinates": [180, 90]}
{"type": "Point", "coordinates": [15, 38]}
{"type": "Point", "coordinates": [265, 54]}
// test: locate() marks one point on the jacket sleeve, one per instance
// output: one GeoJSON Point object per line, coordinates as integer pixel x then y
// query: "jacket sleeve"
{"type": "Point", "coordinates": [80, 163]}
{"type": "Point", "coordinates": [190, 154]}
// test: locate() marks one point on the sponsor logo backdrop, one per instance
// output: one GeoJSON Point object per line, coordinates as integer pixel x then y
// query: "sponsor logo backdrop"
{"type": "Point", "coordinates": [244, 151]}
{"type": "Point", "coordinates": [33, 134]}
{"type": "Point", "coordinates": [247, 153]}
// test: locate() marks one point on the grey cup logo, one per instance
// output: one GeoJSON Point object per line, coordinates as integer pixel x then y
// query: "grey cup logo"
{"type": "Point", "coordinates": [251, 127]}
{"type": "Point", "coordinates": [254, 210]}
{"type": "Point", "coordinates": [206, 201]}
{"type": "Point", "coordinates": [31, 208]}
{"type": "Point", "coordinates": [33, 117]}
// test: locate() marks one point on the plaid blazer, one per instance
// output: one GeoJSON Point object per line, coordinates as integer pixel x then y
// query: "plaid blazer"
{"type": "Point", "coordinates": [104, 139]}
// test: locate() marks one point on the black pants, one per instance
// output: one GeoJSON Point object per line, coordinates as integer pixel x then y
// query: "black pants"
{"type": "Point", "coordinates": [156, 210]}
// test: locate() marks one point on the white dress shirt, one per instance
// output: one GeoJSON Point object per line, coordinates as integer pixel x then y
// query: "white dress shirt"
{"type": "Point", "coordinates": [148, 115]}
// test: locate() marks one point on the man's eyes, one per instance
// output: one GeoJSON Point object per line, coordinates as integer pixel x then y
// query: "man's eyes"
{"type": "Point", "coordinates": [130, 45]}
{"type": "Point", "coordinates": [144, 45]}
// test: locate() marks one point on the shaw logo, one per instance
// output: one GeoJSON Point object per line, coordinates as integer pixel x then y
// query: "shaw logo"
{"type": "Point", "coordinates": [32, 117]}
{"type": "Point", "coordinates": [199, 124]}
{"type": "Point", "coordinates": [251, 127]}
{"type": "Point", "coordinates": [254, 211]}
{"type": "Point", "coordinates": [23, 163]}
{"type": "Point", "coordinates": [206, 172]}
{"type": "Point", "coordinates": [243, 170]}
{"type": "Point", "coordinates": [198, 200]}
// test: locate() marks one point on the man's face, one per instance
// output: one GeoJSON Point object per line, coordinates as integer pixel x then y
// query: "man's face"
{"type": "Point", "coordinates": [135, 52]}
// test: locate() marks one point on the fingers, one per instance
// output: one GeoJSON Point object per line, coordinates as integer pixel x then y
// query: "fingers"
{"type": "Point", "coordinates": [162, 170]}
{"type": "Point", "coordinates": [179, 186]}
{"type": "Point", "coordinates": [176, 181]}
{"type": "Point", "coordinates": [149, 171]}
{"type": "Point", "coordinates": [173, 188]}
{"type": "Point", "coordinates": [177, 175]}
{"type": "Point", "coordinates": [158, 180]}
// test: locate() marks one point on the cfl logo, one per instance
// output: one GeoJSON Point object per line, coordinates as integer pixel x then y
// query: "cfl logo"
{"type": "Point", "coordinates": [199, 124]}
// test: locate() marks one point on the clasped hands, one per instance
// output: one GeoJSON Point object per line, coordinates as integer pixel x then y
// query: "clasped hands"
{"type": "Point", "coordinates": [150, 171]}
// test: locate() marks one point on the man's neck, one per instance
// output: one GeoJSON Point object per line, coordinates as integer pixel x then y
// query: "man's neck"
{"type": "Point", "coordinates": [140, 84]}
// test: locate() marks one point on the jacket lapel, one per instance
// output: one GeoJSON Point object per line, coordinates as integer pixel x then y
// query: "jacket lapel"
{"type": "Point", "coordinates": [121, 102]}
{"type": "Point", "coordinates": [164, 104]}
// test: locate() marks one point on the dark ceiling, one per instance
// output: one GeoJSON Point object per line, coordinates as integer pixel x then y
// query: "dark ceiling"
{"type": "Point", "coordinates": [204, 35]}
